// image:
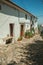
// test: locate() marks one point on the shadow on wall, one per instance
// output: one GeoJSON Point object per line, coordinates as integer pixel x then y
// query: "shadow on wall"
{"type": "Point", "coordinates": [12, 12]}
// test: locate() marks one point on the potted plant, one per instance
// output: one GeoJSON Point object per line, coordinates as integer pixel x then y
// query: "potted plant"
{"type": "Point", "coordinates": [20, 38]}
{"type": "Point", "coordinates": [27, 34]}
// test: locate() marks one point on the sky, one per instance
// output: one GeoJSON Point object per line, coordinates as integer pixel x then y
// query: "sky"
{"type": "Point", "coordinates": [33, 6]}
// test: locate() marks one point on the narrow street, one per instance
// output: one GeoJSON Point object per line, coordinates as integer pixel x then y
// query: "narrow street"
{"type": "Point", "coordinates": [21, 28]}
{"type": "Point", "coordinates": [25, 52]}
{"type": "Point", "coordinates": [31, 53]}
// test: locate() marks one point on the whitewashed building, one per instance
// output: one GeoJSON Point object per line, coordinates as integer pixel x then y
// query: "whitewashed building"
{"type": "Point", "coordinates": [14, 20]}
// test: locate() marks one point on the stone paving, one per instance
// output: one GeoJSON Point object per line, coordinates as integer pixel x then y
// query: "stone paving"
{"type": "Point", "coordinates": [21, 53]}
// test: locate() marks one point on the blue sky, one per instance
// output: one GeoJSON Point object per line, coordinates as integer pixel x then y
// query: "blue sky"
{"type": "Point", "coordinates": [33, 6]}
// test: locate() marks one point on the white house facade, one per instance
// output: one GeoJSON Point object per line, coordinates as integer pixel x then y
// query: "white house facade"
{"type": "Point", "coordinates": [13, 20]}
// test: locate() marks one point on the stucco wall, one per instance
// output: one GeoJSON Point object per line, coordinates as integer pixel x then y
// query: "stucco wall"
{"type": "Point", "coordinates": [9, 15]}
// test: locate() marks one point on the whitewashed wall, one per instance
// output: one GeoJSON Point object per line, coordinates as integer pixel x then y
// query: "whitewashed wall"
{"type": "Point", "coordinates": [27, 21]}
{"type": "Point", "coordinates": [9, 15]}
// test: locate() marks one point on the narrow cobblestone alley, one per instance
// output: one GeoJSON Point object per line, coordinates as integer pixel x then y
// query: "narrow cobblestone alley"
{"type": "Point", "coordinates": [25, 52]}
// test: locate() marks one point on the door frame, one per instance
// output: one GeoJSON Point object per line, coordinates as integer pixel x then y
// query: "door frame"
{"type": "Point", "coordinates": [23, 29]}
{"type": "Point", "coordinates": [11, 25]}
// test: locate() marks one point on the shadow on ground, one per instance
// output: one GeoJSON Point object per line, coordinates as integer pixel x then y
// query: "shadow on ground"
{"type": "Point", "coordinates": [34, 53]}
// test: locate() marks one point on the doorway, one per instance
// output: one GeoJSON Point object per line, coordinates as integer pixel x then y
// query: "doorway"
{"type": "Point", "coordinates": [21, 30]}
{"type": "Point", "coordinates": [11, 29]}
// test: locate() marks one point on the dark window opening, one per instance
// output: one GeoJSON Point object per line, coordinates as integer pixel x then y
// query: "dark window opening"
{"type": "Point", "coordinates": [25, 16]}
{"type": "Point", "coordinates": [32, 22]}
{"type": "Point", "coordinates": [0, 7]}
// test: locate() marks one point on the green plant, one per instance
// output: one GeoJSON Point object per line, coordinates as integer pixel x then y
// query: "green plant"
{"type": "Point", "coordinates": [28, 34]}
{"type": "Point", "coordinates": [20, 38]}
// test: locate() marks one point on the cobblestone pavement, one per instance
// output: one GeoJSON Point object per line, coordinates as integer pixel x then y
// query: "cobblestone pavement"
{"type": "Point", "coordinates": [25, 52]}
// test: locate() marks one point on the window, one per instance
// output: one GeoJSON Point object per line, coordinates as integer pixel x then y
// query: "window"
{"type": "Point", "coordinates": [32, 22]}
{"type": "Point", "coordinates": [25, 16]}
{"type": "Point", "coordinates": [0, 7]}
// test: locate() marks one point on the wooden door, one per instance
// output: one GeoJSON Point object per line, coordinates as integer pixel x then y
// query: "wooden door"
{"type": "Point", "coordinates": [22, 30]}
{"type": "Point", "coordinates": [11, 29]}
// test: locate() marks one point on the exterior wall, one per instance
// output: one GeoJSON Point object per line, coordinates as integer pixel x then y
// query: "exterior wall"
{"type": "Point", "coordinates": [27, 25]}
{"type": "Point", "coordinates": [21, 17]}
{"type": "Point", "coordinates": [25, 21]}
{"type": "Point", "coordinates": [35, 24]}
{"type": "Point", "coordinates": [10, 15]}
{"type": "Point", "coordinates": [36, 27]}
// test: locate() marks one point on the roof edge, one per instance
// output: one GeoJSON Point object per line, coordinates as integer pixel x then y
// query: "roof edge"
{"type": "Point", "coordinates": [19, 8]}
